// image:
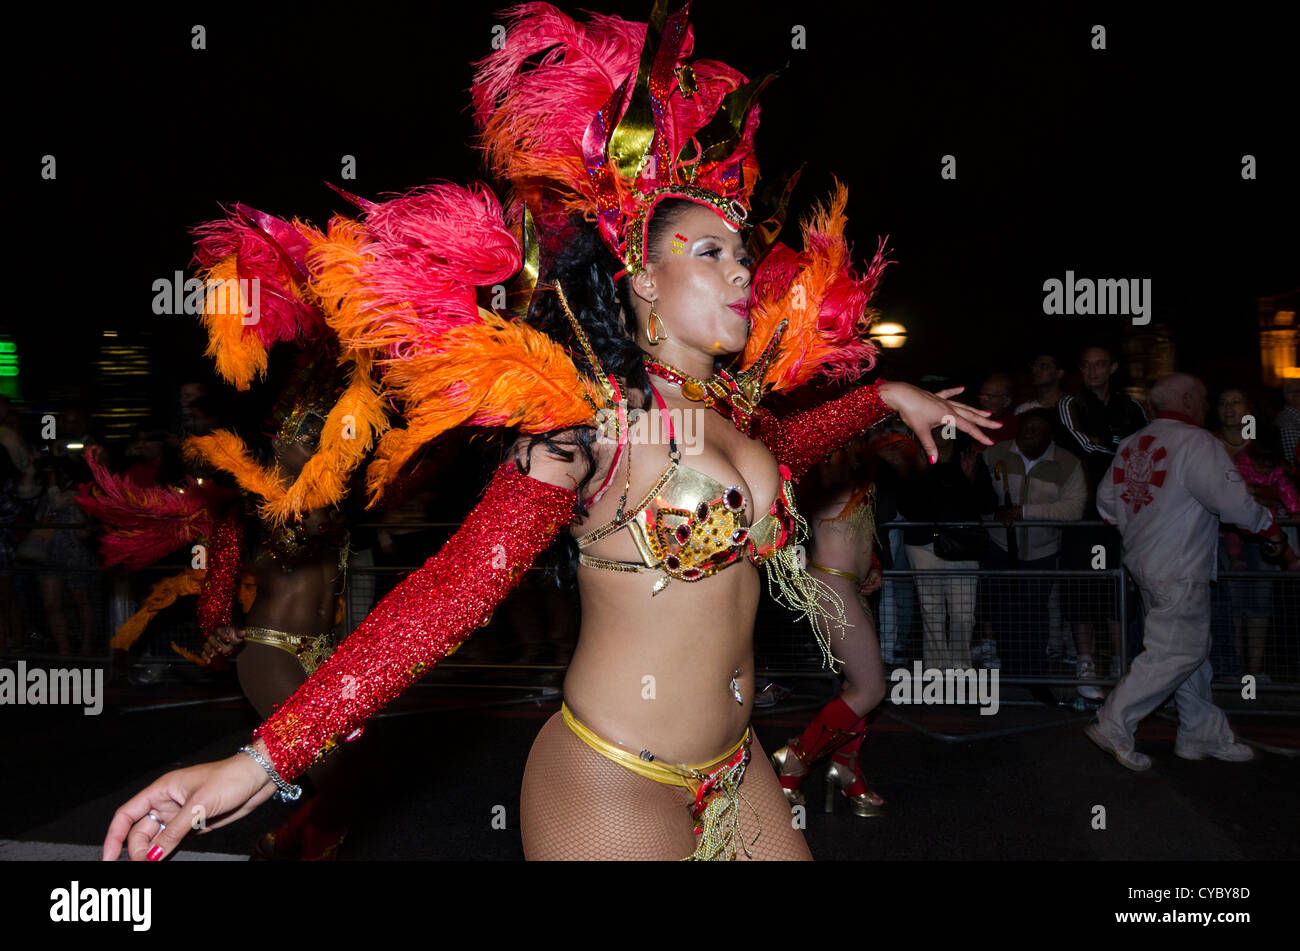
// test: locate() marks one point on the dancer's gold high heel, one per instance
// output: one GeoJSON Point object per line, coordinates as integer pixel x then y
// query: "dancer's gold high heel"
{"type": "Point", "coordinates": [835, 725]}
{"type": "Point", "coordinates": [790, 782]}
{"type": "Point", "coordinates": [845, 778]}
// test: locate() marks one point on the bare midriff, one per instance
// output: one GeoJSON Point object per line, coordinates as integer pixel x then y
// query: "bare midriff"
{"type": "Point", "coordinates": [654, 672]}
{"type": "Point", "coordinates": [298, 601]}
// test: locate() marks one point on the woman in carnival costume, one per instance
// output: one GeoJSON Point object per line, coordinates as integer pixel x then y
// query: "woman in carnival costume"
{"type": "Point", "coordinates": [281, 550]}
{"type": "Point", "coordinates": [840, 494]}
{"type": "Point", "coordinates": [632, 170]}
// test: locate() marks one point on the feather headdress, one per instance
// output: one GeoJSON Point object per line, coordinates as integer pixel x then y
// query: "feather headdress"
{"type": "Point", "coordinates": [262, 261]}
{"type": "Point", "coordinates": [607, 118]}
{"type": "Point", "coordinates": [254, 290]}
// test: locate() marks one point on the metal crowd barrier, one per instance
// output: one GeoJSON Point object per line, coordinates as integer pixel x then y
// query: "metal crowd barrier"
{"type": "Point", "coordinates": [1025, 623]}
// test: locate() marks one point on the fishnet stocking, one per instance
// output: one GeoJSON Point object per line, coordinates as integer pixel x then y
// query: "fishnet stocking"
{"type": "Point", "coordinates": [578, 805]}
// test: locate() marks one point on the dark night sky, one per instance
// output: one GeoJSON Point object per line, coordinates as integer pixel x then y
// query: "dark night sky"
{"type": "Point", "coordinates": [1122, 163]}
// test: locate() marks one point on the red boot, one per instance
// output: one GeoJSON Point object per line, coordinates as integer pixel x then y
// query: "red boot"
{"type": "Point", "coordinates": [299, 839]}
{"type": "Point", "coordinates": [843, 774]}
{"type": "Point", "coordinates": [835, 725]}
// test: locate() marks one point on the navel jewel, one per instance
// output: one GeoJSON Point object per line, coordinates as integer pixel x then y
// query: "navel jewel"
{"type": "Point", "coordinates": [735, 687]}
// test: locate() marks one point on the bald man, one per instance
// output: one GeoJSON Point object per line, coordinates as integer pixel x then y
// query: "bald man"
{"type": "Point", "coordinates": [1169, 485]}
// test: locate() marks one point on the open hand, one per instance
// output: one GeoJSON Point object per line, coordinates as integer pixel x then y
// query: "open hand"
{"type": "Point", "coordinates": [923, 411]}
{"type": "Point", "coordinates": [204, 797]}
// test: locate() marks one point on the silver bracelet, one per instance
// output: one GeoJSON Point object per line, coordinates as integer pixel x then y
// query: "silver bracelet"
{"type": "Point", "coordinates": [287, 792]}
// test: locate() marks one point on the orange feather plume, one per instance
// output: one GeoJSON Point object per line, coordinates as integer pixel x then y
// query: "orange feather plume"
{"type": "Point", "coordinates": [162, 595]}
{"type": "Point", "coordinates": [240, 358]}
{"type": "Point", "coordinates": [352, 427]}
{"type": "Point", "coordinates": [337, 261]}
{"type": "Point", "coordinates": [227, 452]}
{"type": "Point", "coordinates": [494, 372]}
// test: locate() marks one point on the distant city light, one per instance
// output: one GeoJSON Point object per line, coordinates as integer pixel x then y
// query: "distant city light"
{"type": "Point", "coordinates": [889, 334]}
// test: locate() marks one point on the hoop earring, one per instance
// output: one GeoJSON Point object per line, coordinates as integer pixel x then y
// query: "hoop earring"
{"type": "Point", "coordinates": [651, 335]}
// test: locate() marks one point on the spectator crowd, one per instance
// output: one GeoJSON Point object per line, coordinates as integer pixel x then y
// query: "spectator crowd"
{"type": "Point", "coordinates": [986, 594]}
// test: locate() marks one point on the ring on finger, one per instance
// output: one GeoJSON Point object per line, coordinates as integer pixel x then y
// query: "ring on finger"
{"type": "Point", "coordinates": [162, 826]}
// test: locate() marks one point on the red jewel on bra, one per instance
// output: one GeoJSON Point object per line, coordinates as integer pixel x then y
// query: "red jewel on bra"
{"type": "Point", "coordinates": [739, 535]}
{"type": "Point", "coordinates": [672, 562]}
{"type": "Point", "coordinates": [702, 511]}
{"type": "Point", "coordinates": [683, 533]}
{"type": "Point", "coordinates": [690, 574]}
{"type": "Point", "coordinates": [733, 499]}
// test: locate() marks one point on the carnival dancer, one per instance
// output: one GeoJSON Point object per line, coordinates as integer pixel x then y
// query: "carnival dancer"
{"type": "Point", "coordinates": [636, 167]}
{"type": "Point", "coordinates": [298, 571]}
{"type": "Point", "coordinates": [284, 547]}
{"type": "Point", "coordinates": [843, 524]}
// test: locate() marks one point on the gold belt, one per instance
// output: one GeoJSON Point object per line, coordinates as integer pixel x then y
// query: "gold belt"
{"type": "Point", "coordinates": [836, 571]}
{"type": "Point", "coordinates": [591, 561]}
{"type": "Point", "coordinates": [311, 650]}
{"type": "Point", "coordinates": [715, 784]}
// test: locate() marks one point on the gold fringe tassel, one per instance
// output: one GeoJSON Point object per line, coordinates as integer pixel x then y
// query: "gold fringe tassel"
{"type": "Point", "coordinates": [790, 585]}
{"type": "Point", "coordinates": [719, 825]}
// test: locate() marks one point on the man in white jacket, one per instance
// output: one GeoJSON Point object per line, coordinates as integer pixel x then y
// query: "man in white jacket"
{"type": "Point", "coordinates": [1169, 485]}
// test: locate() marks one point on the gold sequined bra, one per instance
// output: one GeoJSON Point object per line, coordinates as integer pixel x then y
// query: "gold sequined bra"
{"type": "Point", "coordinates": [690, 526]}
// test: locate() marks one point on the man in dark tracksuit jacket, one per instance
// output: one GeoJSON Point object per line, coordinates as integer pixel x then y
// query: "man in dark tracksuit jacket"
{"type": "Point", "coordinates": [1091, 424]}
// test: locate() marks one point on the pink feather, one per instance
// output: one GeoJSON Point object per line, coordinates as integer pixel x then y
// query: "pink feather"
{"type": "Point", "coordinates": [535, 97]}
{"type": "Point", "coordinates": [599, 55]}
{"type": "Point", "coordinates": [429, 248]}
{"type": "Point", "coordinates": [282, 315]}
{"type": "Point", "coordinates": [457, 231]}
{"type": "Point", "coordinates": [144, 524]}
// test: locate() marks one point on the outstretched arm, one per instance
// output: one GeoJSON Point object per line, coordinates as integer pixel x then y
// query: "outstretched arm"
{"type": "Point", "coordinates": [802, 439]}
{"type": "Point", "coordinates": [423, 619]}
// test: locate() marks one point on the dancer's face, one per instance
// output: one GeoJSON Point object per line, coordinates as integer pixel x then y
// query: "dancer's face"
{"type": "Point", "coordinates": [698, 280]}
{"type": "Point", "coordinates": [292, 454]}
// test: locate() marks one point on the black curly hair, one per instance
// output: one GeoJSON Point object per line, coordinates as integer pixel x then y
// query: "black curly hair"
{"type": "Point", "coordinates": [586, 269]}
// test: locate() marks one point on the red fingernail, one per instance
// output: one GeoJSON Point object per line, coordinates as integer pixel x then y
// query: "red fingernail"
{"type": "Point", "coordinates": [155, 853]}
{"type": "Point", "coordinates": [932, 458]}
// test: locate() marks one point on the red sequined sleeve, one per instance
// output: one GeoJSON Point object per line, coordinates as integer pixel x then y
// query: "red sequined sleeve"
{"type": "Point", "coordinates": [424, 619]}
{"type": "Point", "coordinates": [216, 602]}
{"type": "Point", "coordinates": [802, 439]}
